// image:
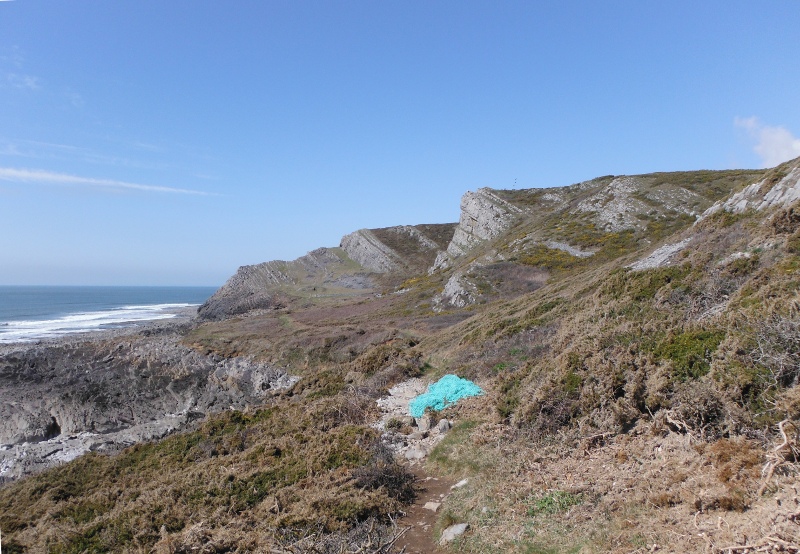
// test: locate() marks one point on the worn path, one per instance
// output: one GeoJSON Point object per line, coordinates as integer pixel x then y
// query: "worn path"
{"type": "Point", "coordinates": [412, 449]}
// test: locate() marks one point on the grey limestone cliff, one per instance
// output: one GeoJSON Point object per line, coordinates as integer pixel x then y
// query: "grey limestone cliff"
{"type": "Point", "coordinates": [400, 249]}
{"type": "Point", "coordinates": [777, 189]}
{"type": "Point", "coordinates": [264, 286]}
{"type": "Point", "coordinates": [484, 216]}
{"type": "Point", "coordinates": [363, 247]}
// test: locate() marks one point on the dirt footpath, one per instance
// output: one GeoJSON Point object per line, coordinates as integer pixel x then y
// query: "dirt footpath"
{"type": "Point", "coordinates": [412, 442]}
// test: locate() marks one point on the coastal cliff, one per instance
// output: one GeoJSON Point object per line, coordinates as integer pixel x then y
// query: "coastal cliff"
{"type": "Point", "coordinates": [267, 286]}
{"type": "Point", "coordinates": [401, 249]}
{"type": "Point", "coordinates": [484, 216]}
{"type": "Point", "coordinates": [365, 259]}
{"type": "Point", "coordinates": [637, 338]}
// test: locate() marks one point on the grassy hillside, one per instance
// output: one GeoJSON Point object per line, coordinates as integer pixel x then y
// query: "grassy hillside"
{"type": "Point", "coordinates": [626, 410]}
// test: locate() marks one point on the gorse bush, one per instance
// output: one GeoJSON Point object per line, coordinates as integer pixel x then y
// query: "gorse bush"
{"type": "Point", "coordinates": [294, 466]}
{"type": "Point", "coordinates": [689, 352]}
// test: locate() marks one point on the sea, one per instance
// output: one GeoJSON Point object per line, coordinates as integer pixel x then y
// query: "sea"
{"type": "Point", "coordinates": [30, 314]}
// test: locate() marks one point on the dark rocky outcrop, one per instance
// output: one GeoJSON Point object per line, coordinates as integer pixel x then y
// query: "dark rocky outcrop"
{"type": "Point", "coordinates": [249, 289]}
{"type": "Point", "coordinates": [62, 399]}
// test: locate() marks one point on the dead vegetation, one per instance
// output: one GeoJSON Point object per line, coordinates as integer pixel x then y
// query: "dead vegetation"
{"type": "Point", "coordinates": [626, 411]}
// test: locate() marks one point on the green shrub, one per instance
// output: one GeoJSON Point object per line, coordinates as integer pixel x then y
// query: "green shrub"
{"type": "Point", "coordinates": [509, 397]}
{"type": "Point", "coordinates": [551, 259]}
{"type": "Point", "coordinates": [690, 352]}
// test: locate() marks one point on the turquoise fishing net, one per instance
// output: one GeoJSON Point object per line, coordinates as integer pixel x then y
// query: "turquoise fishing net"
{"type": "Point", "coordinates": [446, 391]}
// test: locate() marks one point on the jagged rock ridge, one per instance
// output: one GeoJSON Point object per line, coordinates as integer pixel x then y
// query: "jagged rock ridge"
{"type": "Point", "coordinates": [60, 401]}
{"type": "Point", "coordinates": [265, 285]}
{"type": "Point", "coordinates": [351, 269]}
{"type": "Point", "coordinates": [404, 248]}
{"type": "Point", "coordinates": [572, 219]}
{"type": "Point", "coordinates": [778, 189]}
{"type": "Point", "coordinates": [484, 216]}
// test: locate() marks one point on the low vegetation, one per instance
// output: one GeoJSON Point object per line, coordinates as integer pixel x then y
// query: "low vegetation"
{"type": "Point", "coordinates": [626, 411]}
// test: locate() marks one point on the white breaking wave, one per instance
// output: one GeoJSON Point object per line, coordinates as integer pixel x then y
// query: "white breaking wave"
{"type": "Point", "coordinates": [26, 331]}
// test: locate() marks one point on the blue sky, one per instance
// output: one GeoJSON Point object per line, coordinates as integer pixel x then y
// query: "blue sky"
{"type": "Point", "coordinates": [170, 142]}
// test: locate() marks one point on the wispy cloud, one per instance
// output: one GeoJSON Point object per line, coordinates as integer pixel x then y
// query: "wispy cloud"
{"type": "Point", "coordinates": [774, 145]}
{"type": "Point", "coordinates": [47, 177]}
{"type": "Point", "coordinates": [139, 145]}
{"type": "Point", "coordinates": [75, 99]}
{"type": "Point", "coordinates": [42, 150]}
{"type": "Point", "coordinates": [12, 55]}
{"type": "Point", "coordinates": [17, 80]}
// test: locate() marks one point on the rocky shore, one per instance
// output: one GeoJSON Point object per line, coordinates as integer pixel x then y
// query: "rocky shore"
{"type": "Point", "coordinates": [102, 391]}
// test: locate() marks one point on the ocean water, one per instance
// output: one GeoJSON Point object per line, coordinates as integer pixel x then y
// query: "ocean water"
{"type": "Point", "coordinates": [34, 313]}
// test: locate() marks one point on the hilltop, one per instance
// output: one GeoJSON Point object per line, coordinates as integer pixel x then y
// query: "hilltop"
{"type": "Point", "coordinates": [638, 339]}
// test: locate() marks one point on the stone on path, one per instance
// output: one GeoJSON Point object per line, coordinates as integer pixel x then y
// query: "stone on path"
{"type": "Point", "coordinates": [432, 506]}
{"type": "Point", "coordinates": [452, 532]}
{"type": "Point", "coordinates": [424, 423]}
{"type": "Point", "coordinates": [460, 484]}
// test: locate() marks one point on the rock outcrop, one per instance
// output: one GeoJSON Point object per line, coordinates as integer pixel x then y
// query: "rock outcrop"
{"type": "Point", "coordinates": [363, 247]}
{"type": "Point", "coordinates": [779, 188]}
{"type": "Point", "coordinates": [661, 256]}
{"type": "Point", "coordinates": [458, 292]}
{"type": "Point", "coordinates": [251, 288]}
{"type": "Point", "coordinates": [614, 207]}
{"type": "Point", "coordinates": [484, 216]}
{"type": "Point", "coordinates": [264, 286]}
{"type": "Point", "coordinates": [60, 400]}
{"type": "Point", "coordinates": [348, 270]}
{"type": "Point", "coordinates": [400, 249]}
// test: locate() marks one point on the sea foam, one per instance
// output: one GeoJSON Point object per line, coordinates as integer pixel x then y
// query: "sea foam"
{"type": "Point", "coordinates": [126, 316]}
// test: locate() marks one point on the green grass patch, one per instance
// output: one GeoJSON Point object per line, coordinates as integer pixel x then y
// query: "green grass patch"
{"type": "Point", "coordinates": [455, 453]}
{"type": "Point", "coordinates": [690, 352]}
{"type": "Point", "coordinates": [509, 400]}
{"type": "Point", "coordinates": [640, 286]}
{"type": "Point", "coordinates": [553, 502]}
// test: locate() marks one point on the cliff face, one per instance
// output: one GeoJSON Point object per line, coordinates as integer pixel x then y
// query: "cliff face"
{"type": "Point", "coordinates": [265, 286]}
{"type": "Point", "coordinates": [555, 227]}
{"type": "Point", "coordinates": [249, 289]}
{"type": "Point", "coordinates": [484, 216]}
{"type": "Point", "coordinates": [349, 270]}
{"type": "Point", "coordinates": [779, 188]}
{"type": "Point", "coordinates": [577, 220]}
{"type": "Point", "coordinates": [402, 249]}
{"type": "Point", "coordinates": [363, 247]}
